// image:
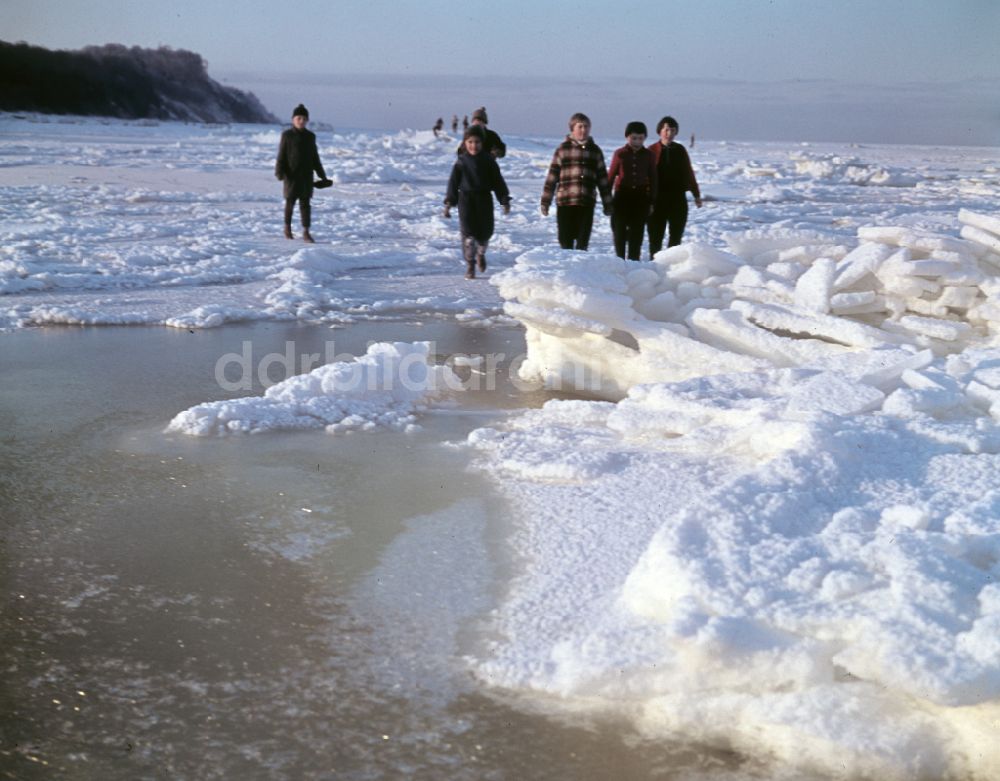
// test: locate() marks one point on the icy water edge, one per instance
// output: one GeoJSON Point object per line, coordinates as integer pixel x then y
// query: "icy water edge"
{"type": "Point", "coordinates": [274, 606]}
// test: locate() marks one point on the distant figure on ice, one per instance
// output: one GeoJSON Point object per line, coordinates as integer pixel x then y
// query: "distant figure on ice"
{"type": "Point", "coordinates": [474, 178]}
{"type": "Point", "coordinates": [454, 123]}
{"type": "Point", "coordinates": [491, 141]}
{"type": "Point", "coordinates": [438, 127]}
{"type": "Point", "coordinates": [692, 141]}
{"type": "Point", "coordinates": [465, 123]}
{"type": "Point", "coordinates": [674, 177]}
{"type": "Point", "coordinates": [633, 184]}
{"type": "Point", "coordinates": [576, 174]}
{"type": "Point", "coordinates": [298, 157]}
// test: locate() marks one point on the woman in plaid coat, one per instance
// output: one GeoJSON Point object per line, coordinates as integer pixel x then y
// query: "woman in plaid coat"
{"type": "Point", "coordinates": [577, 173]}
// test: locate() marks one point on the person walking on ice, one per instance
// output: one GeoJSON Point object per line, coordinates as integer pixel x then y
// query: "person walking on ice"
{"type": "Point", "coordinates": [474, 178]}
{"type": "Point", "coordinates": [492, 143]}
{"type": "Point", "coordinates": [577, 173]}
{"type": "Point", "coordinates": [633, 182]}
{"type": "Point", "coordinates": [298, 157]}
{"type": "Point", "coordinates": [674, 177]}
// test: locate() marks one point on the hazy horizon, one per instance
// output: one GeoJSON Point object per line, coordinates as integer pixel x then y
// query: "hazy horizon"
{"type": "Point", "coordinates": [807, 110]}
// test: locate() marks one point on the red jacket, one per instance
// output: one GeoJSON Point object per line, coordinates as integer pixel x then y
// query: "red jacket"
{"type": "Point", "coordinates": [679, 173]}
{"type": "Point", "coordinates": [632, 171]}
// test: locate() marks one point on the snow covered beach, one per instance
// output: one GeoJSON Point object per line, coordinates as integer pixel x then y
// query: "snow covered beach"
{"type": "Point", "coordinates": [775, 531]}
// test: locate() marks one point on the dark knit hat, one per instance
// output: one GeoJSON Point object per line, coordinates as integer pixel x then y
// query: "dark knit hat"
{"type": "Point", "coordinates": [474, 131]}
{"type": "Point", "coordinates": [578, 117]}
{"type": "Point", "coordinates": [669, 121]}
{"type": "Point", "coordinates": [635, 127]}
{"type": "Point", "coordinates": [480, 113]}
{"type": "Point", "coordinates": [301, 111]}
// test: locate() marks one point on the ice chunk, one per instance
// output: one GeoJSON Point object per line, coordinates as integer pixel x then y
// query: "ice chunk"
{"type": "Point", "coordinates": [385, 388]}
{"type": "Point", "coordinates": [555, 320]}
{"type": "Point", "coordinates": [860, 262]}
{"type": "Point", "coordinates": [932, 267]}
{"type": "Point", "coordinates": [695, 262]}
{"type": "Point", "coordinates": [754, 243]}
{"type": "Point", "coordinates": [812, 291]}
{"type": "Point", "coordinates": [946, 330]}
{"type": "Point", "coordinates": [924, 399]}
{"type": "Point", "coordinates": [757, 285]}
{"type": "Point", "coordinates": [926, 242]}
{"type": "Point", "coordinates": [897, 274]}
{"type": "Point", "coordinates": [958, 297]}
{"type": "Point", "coordinates": [730, 330]}
{"type": "Point", "coordinates": [857, 303]}
{"type": "Point", "coordinates": [982, 221]}
{"type": "Point", "coordinates": [836, 329]}
{"type": "Point", "coordinates": [784, 270]}
{"type": "Point", "coordinates": [987, 241]}
{"type": "Point", "coordinates": [659, 307]}
{"type": "Point", "coordinates": [833, 392]}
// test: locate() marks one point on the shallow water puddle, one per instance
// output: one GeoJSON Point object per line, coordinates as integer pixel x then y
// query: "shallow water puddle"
{"type": "Point", "coordinates": [282, 605]}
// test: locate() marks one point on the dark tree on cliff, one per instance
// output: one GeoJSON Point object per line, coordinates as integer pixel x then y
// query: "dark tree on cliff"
{"type": "Point", "coordinates": [118, 81]}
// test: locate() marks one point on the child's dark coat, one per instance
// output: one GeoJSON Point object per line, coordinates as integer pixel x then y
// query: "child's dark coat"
{"type": "Point", "coordinates": [473, 181]}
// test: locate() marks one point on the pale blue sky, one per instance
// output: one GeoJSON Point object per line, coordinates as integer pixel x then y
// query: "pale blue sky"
{"type": "Point", "coordinates": [867, 70]}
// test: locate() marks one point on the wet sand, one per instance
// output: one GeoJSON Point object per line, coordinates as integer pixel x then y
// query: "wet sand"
{"type": "Point", "coordinates": [273, 606]}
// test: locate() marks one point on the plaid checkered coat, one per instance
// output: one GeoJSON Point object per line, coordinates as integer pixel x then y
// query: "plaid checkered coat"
{"type": "Point", "coordinates": [577, 173]}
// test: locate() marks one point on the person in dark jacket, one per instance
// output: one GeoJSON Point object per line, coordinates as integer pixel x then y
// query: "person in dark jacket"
{"type": "Point", "coordinates": [298, 157]}
{"type": "Point", "coordinates": [674, 177]}
{"type": "Point", "coordinates": [577, 173]}
{"type": "Point", "coordinates": [633, 184]}
{"type": "Point", "coordinates": [474, 178]}
{"type": "Point", "coordinates": [491, 141]}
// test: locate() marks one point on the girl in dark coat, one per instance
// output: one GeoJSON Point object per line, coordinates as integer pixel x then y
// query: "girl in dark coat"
{"type": "Point", "coordinates": [298, 157]}
{"type": "Point", "coordinates": [474, 179]}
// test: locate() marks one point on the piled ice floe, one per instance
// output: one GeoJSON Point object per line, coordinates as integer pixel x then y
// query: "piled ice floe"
{"type": "Point", "coordinates": [385, 388]}
{"type": "Point", "coordinates": [851, 170]}
{"type": "Point", "coordinates": [724, 560]}
{"type": "Point", "coordinates": [777, 299]}
{"type": "Point", "coordinates": [784, 535]}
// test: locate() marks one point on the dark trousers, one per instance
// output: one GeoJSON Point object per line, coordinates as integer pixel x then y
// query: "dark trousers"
{"type": "Point", "coordinates": [305, 211]}
{"type": "Point", "coordinates": [673, 212]}
{"type": "Point", "coordinates": [628, 221]}
{"type": "Point", "coordinates": [575, 224]}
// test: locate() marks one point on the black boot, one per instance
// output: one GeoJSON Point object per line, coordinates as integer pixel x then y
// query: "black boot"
{"type": "Point", "coordinates": [307, 237]}
{"type": "Point", "coordinates": [288, 232]}
{"type": "Point", "coordinates": [470, 270]}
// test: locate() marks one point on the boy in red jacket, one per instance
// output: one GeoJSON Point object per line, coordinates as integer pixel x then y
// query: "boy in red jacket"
{"type": "Point", "coordinates": [633, 182]}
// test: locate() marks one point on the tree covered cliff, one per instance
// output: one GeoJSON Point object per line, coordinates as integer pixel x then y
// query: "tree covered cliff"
{"type": "Point", "coordinates": [118, 81]}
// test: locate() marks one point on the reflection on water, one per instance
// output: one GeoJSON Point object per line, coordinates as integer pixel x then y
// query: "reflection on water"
{"type": "Point", "coordinates": [276, 606]}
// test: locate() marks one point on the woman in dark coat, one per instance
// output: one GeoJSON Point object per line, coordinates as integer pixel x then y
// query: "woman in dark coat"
{"type": "Point", "coordinates": [474, 179]}
{"type": "Point", "coordinates": [298, 157]}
